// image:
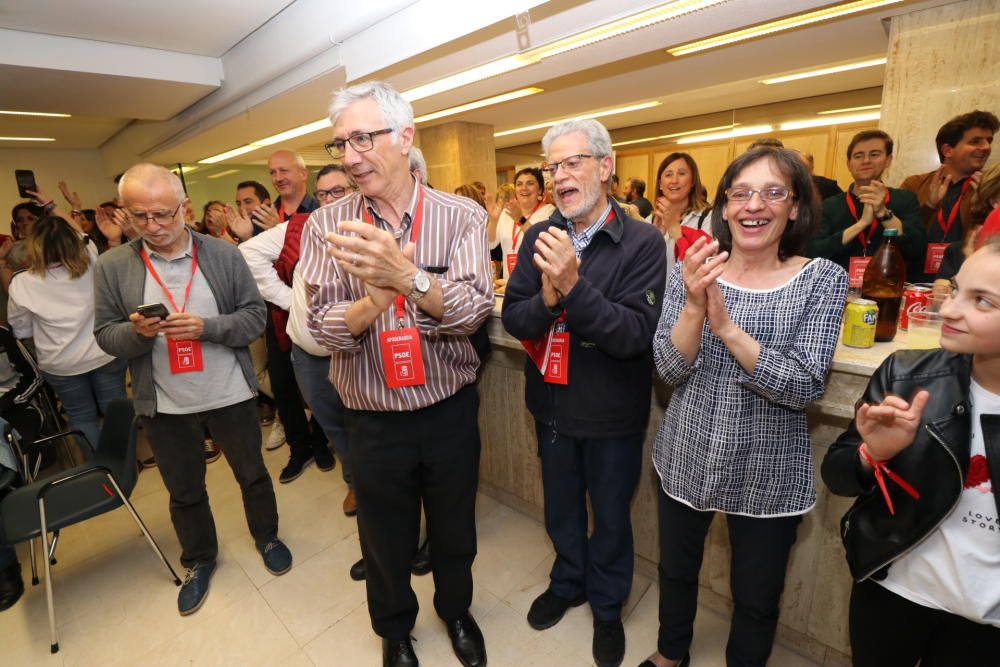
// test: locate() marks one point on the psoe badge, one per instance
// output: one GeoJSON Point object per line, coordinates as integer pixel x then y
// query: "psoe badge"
{"type": "Point", "coordinates": [650, 297]}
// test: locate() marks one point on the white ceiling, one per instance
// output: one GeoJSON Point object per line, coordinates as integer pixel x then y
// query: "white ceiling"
{"type": "Point", "coordinates": [276, 66]}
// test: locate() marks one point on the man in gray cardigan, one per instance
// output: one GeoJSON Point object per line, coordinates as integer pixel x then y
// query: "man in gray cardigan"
{"type": "Point", "coordinates": [191, 368]}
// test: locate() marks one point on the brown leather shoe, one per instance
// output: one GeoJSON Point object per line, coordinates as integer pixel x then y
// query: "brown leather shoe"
{"type": "Point", "coordinates": [350, 503]}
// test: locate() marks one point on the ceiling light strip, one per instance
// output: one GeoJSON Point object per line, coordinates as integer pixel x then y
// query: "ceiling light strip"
{"type": "Point", "coordinates": [597, 114]}
{"type": "Point", "coordinates": [35, 113]}
{"type": "Point", "coordinates": [830, 120]}
{"type": "Point", "coordinates": [780, 25]}
{"type": "Point", "coordinates": [823, 71]}
{"type": "Point", "coordinates": [867, 107]}
{"type": "Point", "coordinates": [735, 132]}
{"type": "Point", "coordinates": [672, 135]}
{"type": "Point", "coordinates": [227, 172]}
{"type": "Point", "coordinates": [27, 139]}
{"type": "Point", "coordinates": [489, 101]}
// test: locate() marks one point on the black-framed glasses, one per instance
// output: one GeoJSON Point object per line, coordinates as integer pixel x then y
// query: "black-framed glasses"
{"type": "Point", "coordinates": [773, 195]}
{"type": "Point", "coordinates": [361, 142]}
{"type": "Point", "coordinates": [572, 163]}
{"type": "Point", "coordinates": [333, 193]}
{"type": "Point", "coordinates": [159, 217]}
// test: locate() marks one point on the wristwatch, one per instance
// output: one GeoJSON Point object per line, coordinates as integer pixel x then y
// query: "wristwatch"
{"type": "Point", "coordinates": [420, 286]}
{"type": "Point", "coordinates": [886, 217]}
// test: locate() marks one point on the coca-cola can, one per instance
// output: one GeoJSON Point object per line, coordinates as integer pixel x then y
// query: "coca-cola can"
{"type": "Point", "coordinates": [916, 298]}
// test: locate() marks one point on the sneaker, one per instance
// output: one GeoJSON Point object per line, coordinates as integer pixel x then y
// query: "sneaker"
{"type": "Point", "coordinates": [324, 457]}
{"type": "Point", "coordinates": [265, 414]}
{"type": "Point", "coordinates": [277, 557]}
{"type": "Point", "coordinates": [296, 466]}
{"type": "Point", "coordinates": [212, 453]}
{"type": "Point", "coordinates": [548, 609]}
{"type": "Point", "coordinates": [276, 438]}
{"type": "Point", "coordinates": [194, 590]}
{"type": "Point", "coordinates": [609, 643]}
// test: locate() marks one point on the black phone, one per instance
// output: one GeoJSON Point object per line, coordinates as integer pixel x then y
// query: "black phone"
{"type": "Point", "coordinates": [153, 310]}
{"type": "Point", "coordinates": [25, 181]}
{"type": "Point", "coordinates": [438, 270]}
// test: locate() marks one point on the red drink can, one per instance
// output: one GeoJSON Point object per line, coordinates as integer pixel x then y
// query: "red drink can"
{"type": "Point", "coordinates": [916, 298]}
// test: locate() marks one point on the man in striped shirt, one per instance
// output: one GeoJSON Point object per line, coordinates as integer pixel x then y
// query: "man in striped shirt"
{"type": "Point", "coordinates": [398, 276]}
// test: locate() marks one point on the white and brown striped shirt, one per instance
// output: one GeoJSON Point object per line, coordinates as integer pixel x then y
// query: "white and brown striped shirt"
{"type": "Point", "coordinates": [453, 235]}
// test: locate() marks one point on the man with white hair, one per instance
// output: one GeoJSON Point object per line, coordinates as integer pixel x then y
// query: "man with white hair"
{"type": "Point", "coordinates": [418, 165]}
{"type": "Point", "coordinates": [190, 365]}
{"type": "Point", "coordinates": [398, 278]}
{"type": "Point", "coordinates": [584, 299]}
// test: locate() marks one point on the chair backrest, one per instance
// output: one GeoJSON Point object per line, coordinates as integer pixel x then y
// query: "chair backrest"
{"type": "Point", "coordinates": [116, 448]}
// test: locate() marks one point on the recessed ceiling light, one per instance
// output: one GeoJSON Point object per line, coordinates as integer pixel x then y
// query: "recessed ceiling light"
{"type": "Point", "coordinates": [229, 154]}
{"type": "Point", "coordinates": [461, 108]}
{"type": "Point", "coordinates": [780, 25]}
{"type": "Point", "coordinates": [823, 71]}
{"type": "Point", "coordinates": [729, 134]}
{"type": "Point", "coordinates": [867, 107]}
{"type": "Point", "coordinates": [672, 135]}
{"type": "Point", "coordinates": [598, 114]}
{"type": "Point", "coordinates": [830, 120]}
{"type": "Point", "coordinates": [27, 139]}
{"type": "Point", "coordinates": [227, 172]}
{"type": "Point", "coordinates": [34, 113]}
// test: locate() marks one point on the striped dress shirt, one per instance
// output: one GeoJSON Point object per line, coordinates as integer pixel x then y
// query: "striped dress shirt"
{"type": "Point", "coordinates": [453, 237]}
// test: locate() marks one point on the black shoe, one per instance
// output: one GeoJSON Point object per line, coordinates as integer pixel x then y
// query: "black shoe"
{"type": "Point", "coordinates": [358, 571]}
{"type": "Point", "coordinates": [398, 653]}
{"type": "Point", "coordinates": [324, 457]}
{"type": "Point", "coordinates": [421, 563]}
{"type": "Point", "coordinates": [11, 586]}
{"type": "Point", "coordinates": [195, 588]}
{"type": "Point", "coordinates": [548, 609]}
{"type": "Point", "coordinates": [296, 466]}
{"type": "Point", "coordinates": [609, 643]}
{"type": "Point", "coordinates": [467, 640]}
{"type": "Point", "coordinates": [683, 662]}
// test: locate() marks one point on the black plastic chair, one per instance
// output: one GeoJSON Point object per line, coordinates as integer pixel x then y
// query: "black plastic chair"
{"type": "Point", "coordinates": [100, 485]}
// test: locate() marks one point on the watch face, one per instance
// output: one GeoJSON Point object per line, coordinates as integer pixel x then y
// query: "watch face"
{"type": "Point", "coordinates": [422, 282]}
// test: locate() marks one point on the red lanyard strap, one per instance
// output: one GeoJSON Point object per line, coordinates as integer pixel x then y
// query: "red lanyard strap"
{"type": "Point", "coordinates": [418, 219]}
{"type": "Point", "coordinates": [879, 467]}
{"type": "Point", "coordinates": [946, 226]}
{"type": "Point", "coordinates": [156, 276]}
{"type": "Point", "coordinates": [866, 237]}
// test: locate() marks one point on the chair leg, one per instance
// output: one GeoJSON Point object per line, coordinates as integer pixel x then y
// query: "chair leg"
{"type": "Point", "coordinates": [34, 563]}
{"type": "Point", "coordinates": [52, 547]}
{"type": "Point", "coordinates": [48, 577]}
{"type": "Point", "coordinates": [142, 527]}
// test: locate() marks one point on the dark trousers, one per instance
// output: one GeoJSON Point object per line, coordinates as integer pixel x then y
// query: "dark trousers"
{"type": "Point", "coordinates": [608, 469]}
{"type": "Point", "coordinates": [178, 442]}
{"type": "Point", "coordinates": [302, 434]}
{"type": "Point", "coordinates": [760, 548]}
{"type": "Point", "coordinates": [399, 459]}
{"type": "Point", "coordinates": [890, 631]}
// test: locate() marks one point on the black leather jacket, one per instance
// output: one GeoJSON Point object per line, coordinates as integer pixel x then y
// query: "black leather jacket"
{"type": "Point", "coordinates": [935, 464]}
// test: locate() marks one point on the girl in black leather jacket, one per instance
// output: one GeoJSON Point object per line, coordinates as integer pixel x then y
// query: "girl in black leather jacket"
{"type": "Point", "coordinates": [922, 456]}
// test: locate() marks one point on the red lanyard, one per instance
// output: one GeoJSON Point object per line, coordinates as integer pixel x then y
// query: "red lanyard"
{"type": "Point", "coordinates": [516, 232]}
{"type": "Point", "coordinates": [418, 219]}
{"type": "Point", "coordinates": [879, 468]}
{"type": "Point", "coordinates": [866, 237]}
{"type": "Point", "coordinates": [946, 226]}
{"type": "Point", "coordinates": [156, 277]}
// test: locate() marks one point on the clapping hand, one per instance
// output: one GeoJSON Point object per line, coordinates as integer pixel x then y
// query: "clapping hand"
{"type": "Point", "coordinates": [111, 228]}
{"type": "Point", "coordinates": [890, 426]}
{"type": "Point", "coordinates": [700, 270]}
{"type": "Point", "coordinates": [74, 200]}
{"type": "Point", "coordinates": [264, 216]}
{"type": "Point", "coordinates": [555, 257]}
{"type": "Point", "coordinates": [873, 197]}
{"type": "Point", "coordinates": [940, 182]}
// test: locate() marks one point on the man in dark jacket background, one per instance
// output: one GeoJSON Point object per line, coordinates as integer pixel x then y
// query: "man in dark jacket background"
{"type": "Point", "coordinates": [585, 301]}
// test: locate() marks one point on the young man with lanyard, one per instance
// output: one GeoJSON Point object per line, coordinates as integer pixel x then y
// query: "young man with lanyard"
{"type": "Point", "coordinates": [964, 144]}
{"type": "Point", "coordinates": [398, 278]}
{"type": "Point", "coordinates": [306, 440]}
{"type": "Point", "coordinates": [852, 224]}
{"type": "Point", "coordinates": [584, 299]}
{"type": "Point", "coordinates": [191, 369]}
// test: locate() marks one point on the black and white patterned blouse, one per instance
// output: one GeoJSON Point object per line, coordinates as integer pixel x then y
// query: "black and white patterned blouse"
{"type": "Point", "coordinates": [734, 441]}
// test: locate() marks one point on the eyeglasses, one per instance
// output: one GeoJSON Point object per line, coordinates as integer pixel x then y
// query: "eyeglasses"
{"type": "Point", "coordinates": [159, 217]}
{"type": "Point", "coordinates": [333, 193]}
{"type": "Point", "coordinates": [361, 142]}
{"type": "Point", "coordinates": [572, 163]}
{"type": "Point", "coordinates": [773, 195]}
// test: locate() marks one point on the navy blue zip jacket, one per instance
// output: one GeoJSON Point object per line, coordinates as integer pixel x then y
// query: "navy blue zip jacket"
{"type": "Point", "coordinates": [611, 315]}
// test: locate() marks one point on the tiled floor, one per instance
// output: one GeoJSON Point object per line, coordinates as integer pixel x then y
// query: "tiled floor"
{"type": "Point", "coordinates": [115, 604]}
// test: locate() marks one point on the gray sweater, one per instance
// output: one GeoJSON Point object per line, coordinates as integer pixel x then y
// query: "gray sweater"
{"type": "Point", "coordinates": [119, 281]}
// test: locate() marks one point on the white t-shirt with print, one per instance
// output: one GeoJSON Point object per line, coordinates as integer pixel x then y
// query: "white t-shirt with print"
{"type": "Point", "coordinates": [957, 568]}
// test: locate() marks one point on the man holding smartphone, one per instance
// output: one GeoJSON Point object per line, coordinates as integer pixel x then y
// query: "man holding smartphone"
{"type": "Point", "coordinates": [191, 369]}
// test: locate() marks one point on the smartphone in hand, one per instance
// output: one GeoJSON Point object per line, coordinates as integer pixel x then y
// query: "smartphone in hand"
{"type": "Point", "coordinates": [153, 310]}
{"type": "Point", "coordinates": [25, 182]}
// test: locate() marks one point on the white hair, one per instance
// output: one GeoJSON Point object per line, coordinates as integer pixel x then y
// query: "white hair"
{"type": "Point", "coordinates": [145, 172]}
{"type": "Point", "coordinates": [397, 113]}
{"type": "Point", "coordinates": [598, 139]}
{"type": "Point", "coordinates": [418, 163]}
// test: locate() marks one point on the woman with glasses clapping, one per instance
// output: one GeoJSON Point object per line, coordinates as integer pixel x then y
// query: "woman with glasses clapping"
{"type": "Point", "coordinates": [747, 334]}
